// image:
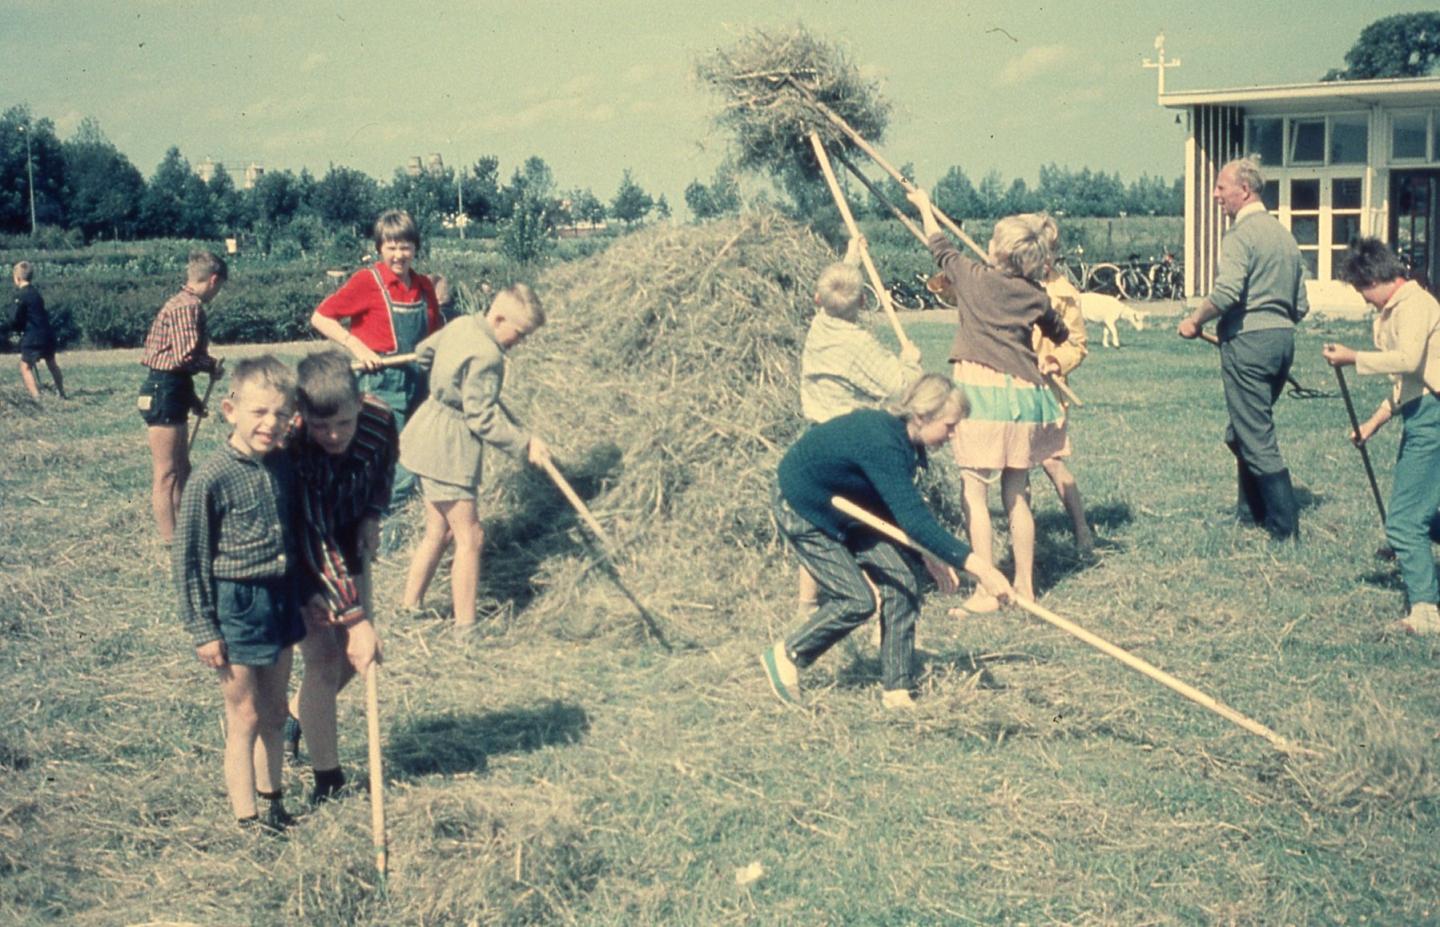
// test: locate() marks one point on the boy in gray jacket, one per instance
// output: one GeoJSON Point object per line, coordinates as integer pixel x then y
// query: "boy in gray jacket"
{"type": "Point", "coordinates": [444, 442]}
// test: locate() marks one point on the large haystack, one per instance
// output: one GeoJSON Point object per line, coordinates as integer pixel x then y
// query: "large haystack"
{"type": "Point", "coordinates": [667, 381]}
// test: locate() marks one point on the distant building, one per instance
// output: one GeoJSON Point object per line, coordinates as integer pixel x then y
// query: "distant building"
{"type": "Point", "coordinates": [1341, 159]}
{"type": "Point", "coordinates": [412, 166]}
{"type": "Point", "coordinates": [244, 180]}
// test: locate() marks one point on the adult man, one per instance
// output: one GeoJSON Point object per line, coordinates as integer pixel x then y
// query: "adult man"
{"type": "Point", "coordinates": [1259, 295]}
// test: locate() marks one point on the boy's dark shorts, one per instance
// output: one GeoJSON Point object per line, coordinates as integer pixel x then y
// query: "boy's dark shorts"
{"type": "Point", "coordinates": [258, 619]}
{"type": "Point", "coordinates": [167, 397]}
{"type": "Point", "coordinates": [32, 354]}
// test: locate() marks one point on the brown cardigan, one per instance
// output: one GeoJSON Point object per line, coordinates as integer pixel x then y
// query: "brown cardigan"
{"type": "Point", "coordinates": [996, 314]}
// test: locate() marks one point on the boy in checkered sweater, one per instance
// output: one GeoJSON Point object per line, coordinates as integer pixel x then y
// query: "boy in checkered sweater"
{"type": "Point", "coordinates": [234, 557]}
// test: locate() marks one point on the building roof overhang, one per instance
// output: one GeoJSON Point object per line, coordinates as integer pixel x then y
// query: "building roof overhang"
{"type": "Point", "coordinates": [1317, 97]}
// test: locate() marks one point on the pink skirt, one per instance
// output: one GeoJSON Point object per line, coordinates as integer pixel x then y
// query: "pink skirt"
{"type": "Point", "coordinates": [1012, 425]}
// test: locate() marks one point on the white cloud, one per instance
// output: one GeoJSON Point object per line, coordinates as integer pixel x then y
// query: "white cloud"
{"type": "Point", "coordinates": [1033, 62]}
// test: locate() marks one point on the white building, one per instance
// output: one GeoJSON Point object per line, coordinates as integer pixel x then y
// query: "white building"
{"type": "Point", "coordinates": [1341, 159]}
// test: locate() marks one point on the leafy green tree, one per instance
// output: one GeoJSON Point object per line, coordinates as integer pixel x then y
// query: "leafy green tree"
{"type": "Point", "coordinates": [956, 195]}
{"type": "Point", "coordinates": [480, 190]}
{"type": "Point", "coordinates": [631, 203]}
{"type": "Point", "coordinates": [662, 207]}
{"type": "Point", "coordinates": [721, 197]}
{"type": "Point", "coordinates": [585, 206]}
{"type": "Point", "coordinates": [429, 197]}
{"type": "Point", "coordinates": [346, 197]}
{"type": "Point", "coordinates": [47, 166]}
{"type": "Point", "coordinates": [991, 195]}
{"type": "Point", "coordinates": [175, 203]}
{"type": "Point", "coordinates": [1403, 45]}
{"type": "Point", "coordinates": [102, 188]}
{"type": "Point", "coordinates": [525, 235]}
{"type": "Point", "coordinates": [227, 206]}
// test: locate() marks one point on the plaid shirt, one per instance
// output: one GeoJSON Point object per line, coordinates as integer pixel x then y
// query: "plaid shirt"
{"type": "Point", "coordinates": [336, 493]}
{"type": "Point", "coordinates": [844, 368]}
{"type": "Point", "coordinates": [234, 523]}
{"type": "Point", "coordinates": [177, 340]}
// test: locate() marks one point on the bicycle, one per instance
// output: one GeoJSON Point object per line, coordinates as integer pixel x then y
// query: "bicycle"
{"type": "Point", "coordinates": [1103, 277]}
{"type": "Point", "coordinates": [1133, 280]}
{"type": "Point", "coordinates": [1167, 277]}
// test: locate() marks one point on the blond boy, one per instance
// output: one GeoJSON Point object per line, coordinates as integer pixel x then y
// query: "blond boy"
{"type": "Point", "coordinates": [37, 336]}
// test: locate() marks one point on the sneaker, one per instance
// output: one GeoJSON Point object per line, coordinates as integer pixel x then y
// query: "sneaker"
{"type": "Point", "coordinates": [781, 672]}
{"type": "Point", "coordinates": [1423, 620]}
{"type": "Point", "coordinates": [292, 738]}
{"type": "Point", "coordinates": [895, 699]}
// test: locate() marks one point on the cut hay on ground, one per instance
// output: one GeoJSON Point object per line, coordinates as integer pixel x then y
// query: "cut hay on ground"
{"type": "Point", "coordinates": [756, 79]}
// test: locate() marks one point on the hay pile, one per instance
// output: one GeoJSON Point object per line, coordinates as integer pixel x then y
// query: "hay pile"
{"type": "Point", "coordinates": [756, 79]}
{"type": "Point", "coordinates": [666, 381]}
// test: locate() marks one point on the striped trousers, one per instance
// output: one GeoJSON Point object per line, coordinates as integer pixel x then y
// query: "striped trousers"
{"type": "Point", "coordinates": [846, 599]}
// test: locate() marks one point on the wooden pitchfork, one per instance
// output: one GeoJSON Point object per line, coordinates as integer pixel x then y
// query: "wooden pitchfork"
{"type": "Point", "coordinates": [391, 360]}
{"type": "Point", "coordinates": [882, 294]}
{"type": "Point", "coordinates": [1364, 453]}
{"type": "Point", "coordinates": [204, 412]}
{"type": "Point", "coordinates": [377, 769]}
{"type": "Point", "coordinates": [1099, 643]}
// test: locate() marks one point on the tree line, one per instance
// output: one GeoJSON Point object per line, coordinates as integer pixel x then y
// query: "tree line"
{"type": "Point", "coordinates": [87, 187]}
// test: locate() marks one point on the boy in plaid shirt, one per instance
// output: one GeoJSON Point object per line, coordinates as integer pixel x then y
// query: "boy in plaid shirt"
{"type": "Point", "coordinates": [176, 349]}
{"type": "Point", "coordinates": [233, 562]}
{"type": "Point", "coordinates": [345, 463]}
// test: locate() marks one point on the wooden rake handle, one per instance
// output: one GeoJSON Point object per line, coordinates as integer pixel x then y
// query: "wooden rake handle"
{"type": "Point", "coordinates": [377, 767]}
{"type": "Point", "coordinates": [392, 360]}
{"type": "Point", "coordinates": [839, 122]}
{"type": "Point", "coordinates": [1295, 386]}
{"type": "Point", "coordinates": [1099, 643]}
{"type": "Point", "coordinates": [205, 407]}
{"type": "Point", "coordinates": [1364, 453]}
{"type": "Point", "coordinates": [576, 502]}
{"type": "Point", "coordinates": [880, 292]}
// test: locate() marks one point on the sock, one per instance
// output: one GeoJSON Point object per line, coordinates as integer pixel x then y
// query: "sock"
{"type": "Point", "coordinates": [327, 783]}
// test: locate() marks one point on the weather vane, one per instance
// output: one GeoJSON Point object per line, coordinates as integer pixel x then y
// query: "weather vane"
{"type": "Point", "coordinates": [1161, 64]}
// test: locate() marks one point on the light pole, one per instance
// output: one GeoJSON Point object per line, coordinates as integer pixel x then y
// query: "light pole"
{"type": "Point", "coordinates": [29, 175]}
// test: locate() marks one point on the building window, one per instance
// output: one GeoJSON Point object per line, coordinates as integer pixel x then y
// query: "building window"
{"type": "Point", "coordinates": [1266, 138]}
{"type": "Point", "coordinates": [1407, 136]}
{"type": "Point", "coordinates": [1349, 139]}
{"type": "Point", "coordinates": [1307, 141]}
{"type": "Point", "coordinates": [1270, 195]}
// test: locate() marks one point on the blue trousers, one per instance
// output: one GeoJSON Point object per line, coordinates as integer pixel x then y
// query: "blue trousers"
{"type": "Point", "coordinates": [846, 600]}
{"type": "Point", "coordinates": [1411, 522]}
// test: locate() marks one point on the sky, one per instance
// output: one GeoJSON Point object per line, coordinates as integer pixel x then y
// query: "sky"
{"type": "Point", "coordinates": [600, 86]}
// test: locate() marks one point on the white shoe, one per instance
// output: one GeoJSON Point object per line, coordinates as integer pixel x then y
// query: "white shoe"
{"type": "Point", "coordinates": [1423, 620]}
{"type": "Point", "coordinates": [894, 699]}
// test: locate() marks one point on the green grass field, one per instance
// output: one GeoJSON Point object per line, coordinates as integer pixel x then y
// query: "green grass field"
{"type": "Point", "coordinates": [537, 777]}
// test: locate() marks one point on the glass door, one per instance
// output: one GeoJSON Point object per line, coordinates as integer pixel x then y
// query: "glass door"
{"type": "Point", "coordinates": [1414, 198]}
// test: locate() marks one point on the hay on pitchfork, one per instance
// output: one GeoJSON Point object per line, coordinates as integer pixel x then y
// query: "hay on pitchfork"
{"type": "Point", "coordinates": [756, 79]}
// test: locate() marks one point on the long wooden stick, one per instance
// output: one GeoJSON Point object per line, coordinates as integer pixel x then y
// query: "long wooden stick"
{"type": "Point", "coordinates": [874, 155]}
{"type": "Point", "coordinates": [377, 773]}
{"type": "Point", "coordinates": [205, 413]}
{"type": "Point", "coordinates": [1099, 643]}
{"type": "Point", "coordinates": [1364, 453]}
{"type": "Point", "coordinates": [914, 229]}
{"type": "Point", "coordinates": [880, 292]}
{"type": "Point", "coordinates": [652, 624]}
{"type": "Point", "coordinates": [377, 769]}
{"type": "Point", "coordinates": [391, 360]}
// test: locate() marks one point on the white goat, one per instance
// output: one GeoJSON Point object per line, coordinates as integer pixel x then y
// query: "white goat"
{"type": "Point", "coordinates": [1107, 310]}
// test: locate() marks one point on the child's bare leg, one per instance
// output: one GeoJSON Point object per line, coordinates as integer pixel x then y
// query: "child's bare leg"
{"type": "Point", "coordinates": [465, 569]}
{"type": "Point", "coordinates": [271, 683]}
{"type": "Point", "coordinates": [1015, 493]}
{"type": "Point", "coordinates": [55, 375]}
{"type": "Point", "coordinates": [27, 375]}
{"type": "Point", "coordinates": [314, 704]}
{"type": "Point", "coordinates": [239, 685]}
{"type": "Point", "coordinates": [1069, 492]}
{"type": "Point", "coordinates": [169, 469]}
{"type": "Point", "coordinates": [427, 556]}
{"type": "Point", "coordinates": [975, 506]}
